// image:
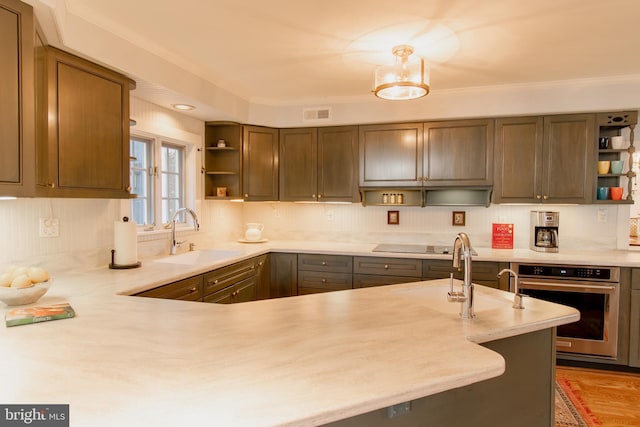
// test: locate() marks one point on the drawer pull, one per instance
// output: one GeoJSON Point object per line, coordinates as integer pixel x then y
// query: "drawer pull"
{"type": "Point", "coordinates": [386, 266]}
{"type": "Point", "coordinates": [324, 280]}
{"type": "Point", "coordinates": [324, 262]}
{"type": "Point", "coordinates": [192, 290]}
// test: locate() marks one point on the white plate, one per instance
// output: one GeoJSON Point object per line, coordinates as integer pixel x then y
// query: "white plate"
{"type": "Point", "coordinates": [253, 241]}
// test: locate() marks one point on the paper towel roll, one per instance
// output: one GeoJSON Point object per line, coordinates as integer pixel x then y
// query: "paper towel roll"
{"type": "Point", "coordinates": [125, 242]}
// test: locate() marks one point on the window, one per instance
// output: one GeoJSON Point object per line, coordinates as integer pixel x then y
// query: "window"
{"type": "Point", "coordinates": [158, 178]}
{"type": "Point", "coordinates": [141, 172]}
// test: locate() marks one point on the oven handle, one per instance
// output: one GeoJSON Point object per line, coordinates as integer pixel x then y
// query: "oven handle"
{"type": "Point", "coordinates": [544, 285]}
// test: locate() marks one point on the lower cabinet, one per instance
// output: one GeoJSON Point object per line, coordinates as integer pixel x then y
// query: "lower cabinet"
{"type": "Point", "coordinates": [375, 271]}
{"type": "Point", "coordinates": [324, 273]}
{"type": "Point", "coordinates": [634, 330]}
{"type": "Point", "coordinates": [187, 290]}
{"type": "Point", "coordinates": [482, 273]}
{"type": "Point", "coordinates": [243, 291]}
{"type": "Point", "coordinates": [283, 272]}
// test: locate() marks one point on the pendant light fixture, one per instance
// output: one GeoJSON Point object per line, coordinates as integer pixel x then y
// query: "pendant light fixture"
{"type": "Point", "coordinates": [406, 79]}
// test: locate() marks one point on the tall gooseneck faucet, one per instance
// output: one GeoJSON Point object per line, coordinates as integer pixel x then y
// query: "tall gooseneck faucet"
{"type": "Point", "coordinates": [462, 249]}
{"type": "Point", "coordinates": [196, 227]}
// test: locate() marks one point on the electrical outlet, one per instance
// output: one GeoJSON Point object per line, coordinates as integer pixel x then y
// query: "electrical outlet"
{"type": "Point", "coordinates": [49, 227]}
{"type": "Point", "coordinates": [602, 215]}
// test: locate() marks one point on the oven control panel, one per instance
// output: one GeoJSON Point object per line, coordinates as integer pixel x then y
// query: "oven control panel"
{"type": "Point", "coordinates": [569, 272]}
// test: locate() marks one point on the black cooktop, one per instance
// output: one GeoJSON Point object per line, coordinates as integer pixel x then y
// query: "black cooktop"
{"type": "Point", "coordinates": [415, 249]}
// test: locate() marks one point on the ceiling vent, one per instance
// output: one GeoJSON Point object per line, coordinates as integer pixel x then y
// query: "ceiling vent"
{"type": "Point", "coordinates": [322, 114]}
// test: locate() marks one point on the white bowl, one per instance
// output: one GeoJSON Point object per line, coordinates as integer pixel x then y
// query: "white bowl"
{"type": "Point", "coordinates": [22, 296]}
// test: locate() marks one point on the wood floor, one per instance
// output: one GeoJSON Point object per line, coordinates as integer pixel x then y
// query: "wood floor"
{"type": "Point", "coordinates": [613, 397]}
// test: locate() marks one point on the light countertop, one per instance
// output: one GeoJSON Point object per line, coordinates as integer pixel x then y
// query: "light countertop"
{"type": "Point", "coordinates": [292, 361]}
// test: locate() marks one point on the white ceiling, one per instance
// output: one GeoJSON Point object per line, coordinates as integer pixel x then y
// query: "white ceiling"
{"type": "Point", "coordinates": [280, 52]}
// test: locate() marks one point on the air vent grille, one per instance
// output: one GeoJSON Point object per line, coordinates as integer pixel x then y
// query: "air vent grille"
{"type": "Point", "coordinates": [316, 114]}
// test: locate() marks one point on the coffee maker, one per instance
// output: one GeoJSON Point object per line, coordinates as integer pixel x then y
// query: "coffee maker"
{"type": "Point", "coordinates": [544, 231]}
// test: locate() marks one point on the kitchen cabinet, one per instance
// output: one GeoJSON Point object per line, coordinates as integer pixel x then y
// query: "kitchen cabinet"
{"type": "Point", "coordinates": [187, 290]}
{"type": "Point", "coordinates": [243, 291]}
{"type": "Point", "coordinates": [544, 159]}
{"type": "Point", "coordinates": [86, 107]}
{"type": "Point", "coordinates": [319, 164]}
{"type": "Point", "coordinates": [283, 268]}
{"type": "Point", "coordinates": [227, 277]}
{"type": "Point", "coordinates": [391, 155]}
{"type": "Point", "coordinates": [263, 276]}
{"type": "Point", "coordinates": [482, 273]}
{"type": "Point", "coordinates": [610, 125]}
{"type": "Point", "coordinates": [634, 320]}
{"type": "Point", "coordinates": [323, 273]}
{"type": "Point", "coordinates": [458, 153]}
{"type": "Point", "coordinates": [17, 110]}
{"type": "Point", "coordinates": [222, 160]}
{"type": "Point", "coordinates": [260, 159]}
{"type": "Point", "coordinates": [379, 271]}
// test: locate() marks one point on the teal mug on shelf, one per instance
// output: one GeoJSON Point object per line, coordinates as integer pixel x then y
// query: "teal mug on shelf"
{"type": "Point", "coordinates": [617, 166]}
{"type": "Point", "coordinates": [603, 193]}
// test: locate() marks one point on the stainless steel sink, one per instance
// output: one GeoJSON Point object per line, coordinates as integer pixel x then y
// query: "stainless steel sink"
{"type": "Point", "coordinates": [416, 249]}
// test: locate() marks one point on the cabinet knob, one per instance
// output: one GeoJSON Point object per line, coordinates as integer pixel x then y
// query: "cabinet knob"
{"type": "Point", "coordinates": [246, 195]}
{"type": "Point", "coordinates": [128, 188]}
{"type": "Point", "coordinates": [215, 281]}
{"type": "Point", "coordinates": [545, 197]}
{"type": "Point", "coordinates": [313, 195]}
{"type": "Point", "coordinates": [538, 196]}
{"type": "Point", "coordinates": [319, 196]}
{"type": "Point", "coordinates": [192, 290]}
{"type": "Point", "coordinates": [324, 262]}
{"type": "Point", "coordinates": [386, 266]}
{"type": "Point", "coordinates": [324, 280]}
{"type": "Point", "coordinates": [52, 185]}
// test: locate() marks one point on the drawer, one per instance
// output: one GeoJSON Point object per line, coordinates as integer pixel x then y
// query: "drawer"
{"type": "Point", "coordinates": [482, 272]}
{"type": "Point", "coordinates": [243, 291]}
{"type": "Point", "coordinates": [332, 263]}
{"type": "Point", "coordinates": [229, 275]}
{"type": "Point", "coordinates": [369, 280]}
{"type": "Point", "coordinates": [324, 280]}
{"type": "Point", "coordinates": [187, 290]}
{"type": "Point", "coordinates": [388, 266]}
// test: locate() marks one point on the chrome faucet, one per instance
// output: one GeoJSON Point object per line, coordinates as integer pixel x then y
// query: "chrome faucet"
{"type": "Point", "coordinates": [462, 249]}
{"type": "Point", "coordinates": [517, 299]}
{"type": "Point", "coordinates": [196, 227]}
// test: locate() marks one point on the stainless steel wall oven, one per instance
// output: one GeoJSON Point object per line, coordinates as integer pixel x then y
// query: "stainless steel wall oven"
{"type": "Point", "coordinates": [594, 291]}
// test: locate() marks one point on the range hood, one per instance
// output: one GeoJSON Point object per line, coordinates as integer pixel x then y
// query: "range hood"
{"type": "Point", "coordinates": [428, 196]}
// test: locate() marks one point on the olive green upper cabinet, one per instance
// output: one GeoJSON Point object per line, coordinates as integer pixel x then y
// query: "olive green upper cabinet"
{"type": "Point", "coordinates": [86, 107]}
{"type": "Point", "coordinates": [319, 164]}
{"type": "Point", "coordinates": [391, 155]}
{"type": "Point", "coordinates": [17, 141]}
{"type": "Point", "coordinates": [544, 159]}
{"type": "Point", "coordinates": [458, 153]}
{"type": "Point", "coordinates": [260, 163]}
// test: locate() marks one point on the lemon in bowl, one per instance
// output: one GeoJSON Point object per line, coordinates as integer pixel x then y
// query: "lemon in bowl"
{"type": "Point", "coordinates": [23, 285]}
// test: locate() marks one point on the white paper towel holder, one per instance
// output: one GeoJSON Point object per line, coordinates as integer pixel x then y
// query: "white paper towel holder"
{"type": "Point", "coordinates": [115, 266]}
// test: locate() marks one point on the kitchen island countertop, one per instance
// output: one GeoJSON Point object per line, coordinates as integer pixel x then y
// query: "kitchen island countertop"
{"type": "Point", "coordinates": [292, 361]}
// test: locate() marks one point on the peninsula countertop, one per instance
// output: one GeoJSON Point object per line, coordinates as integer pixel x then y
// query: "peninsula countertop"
{"type": "Point", "coordinates": [304, 360]}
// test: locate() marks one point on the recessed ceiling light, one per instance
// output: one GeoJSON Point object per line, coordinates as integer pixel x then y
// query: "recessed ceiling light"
{"type": "Point", "coordinates": [183, 107]}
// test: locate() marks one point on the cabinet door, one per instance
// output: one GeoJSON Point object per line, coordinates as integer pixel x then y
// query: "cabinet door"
{"type": "Point", "coordinates": [284, 275]}
{"type": "Point", "coordinates": [17, 141]}
{"type": "Point", "coordinates": [410, 268]}
{"type": "Point", "coordinates": [298, 164]}
{"type": "Point", "coordinates": [391, 155]}
{"type": "Point", "coordinates": [634, 330]}
{"type": "Point", "coordinates": [263, 276]}
{"type": "Point", "coordinates": [260, 163]}
{"type": "Point", "coordinates": [338, 164]}
{"type": "Point", "coordinates": [518, 160]}
{"type": "Point", "coordinates": [187, 290]}
{"type": "Point", "coordinates": [569, 158]}
{"type": "Point", "coordinates": [458, 153]}
{"type": "Point", "coordinates": [89, 136]}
